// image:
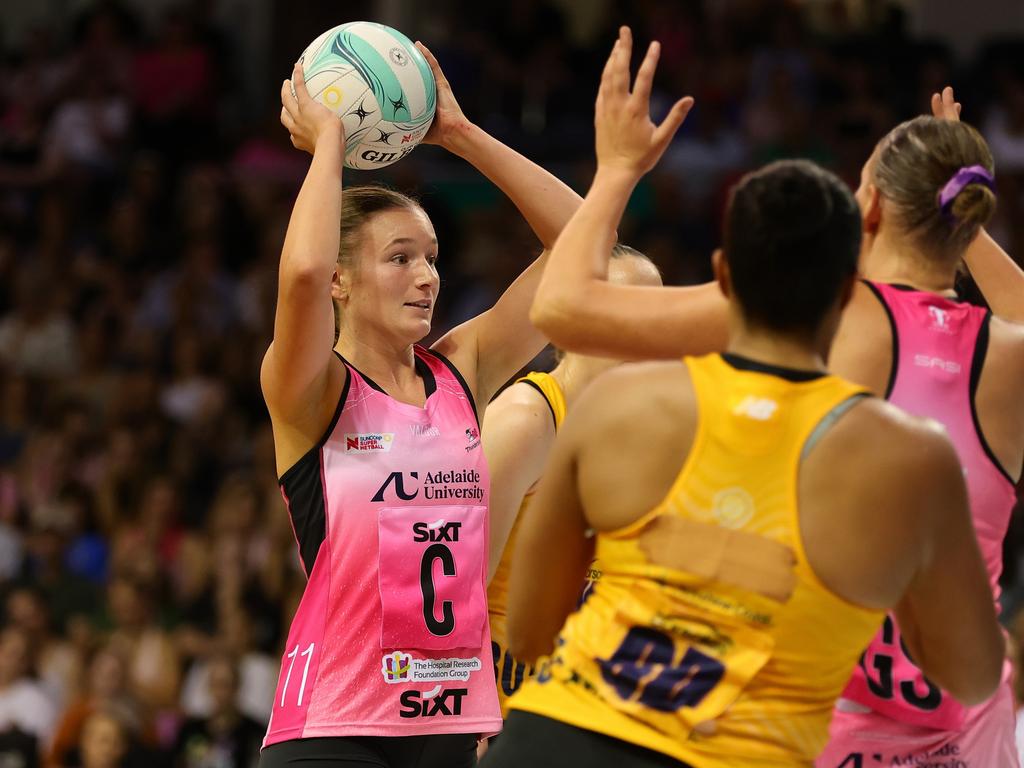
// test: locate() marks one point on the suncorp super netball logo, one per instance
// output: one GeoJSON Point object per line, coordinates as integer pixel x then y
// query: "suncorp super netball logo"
{"type": "Point", "coordinates": [369, 442]}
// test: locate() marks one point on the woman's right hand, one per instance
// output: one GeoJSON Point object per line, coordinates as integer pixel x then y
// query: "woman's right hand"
{"type": "Point", "coordinates": [307, 120]}
{"type": "Point", "coordinates": [449, 120]}
{"type": "Point", "coordinates": [626, 138]}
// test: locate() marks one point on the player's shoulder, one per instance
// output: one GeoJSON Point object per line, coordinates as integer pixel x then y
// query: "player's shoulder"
{"type": "Point", "coordinates": [657, 374]}
{"type": "Point", "coordinates": [1004, 359]}
{"type": "Point", "coordinates": [1007, 334]}
{"type": "Point", "coordinates": [521, 407]}
{"type": "Point", "coordinates": [886, 441]}
{"type": "Point", "coordinates": [637, 396]}
{"type": "Point", "coordinates": [521, 393]}
{"type": "Point", "coordinates": [865, 306]}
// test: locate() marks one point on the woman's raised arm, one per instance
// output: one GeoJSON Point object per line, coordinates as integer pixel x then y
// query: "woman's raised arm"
{"type": "Point", "coordinates": [999, 278]}
{"type": "Point", "coordinates": [575, 305]}
{"type": "Point", "coordinates": [296, 367]}
{"type": "Point", "coordinates": [491, 347]}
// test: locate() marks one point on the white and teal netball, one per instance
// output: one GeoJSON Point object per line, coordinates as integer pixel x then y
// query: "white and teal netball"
{"type": "Point", "coordinates": [374, 79]}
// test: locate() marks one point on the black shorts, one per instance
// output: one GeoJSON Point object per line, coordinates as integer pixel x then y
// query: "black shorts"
{"type": "Point", "coordinates": [457, 750]}
{"type": "Point", "coordinates": [540, 742]}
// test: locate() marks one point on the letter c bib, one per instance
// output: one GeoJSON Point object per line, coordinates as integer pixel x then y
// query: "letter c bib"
{"type": "Point", "coordinates": [431, 576]}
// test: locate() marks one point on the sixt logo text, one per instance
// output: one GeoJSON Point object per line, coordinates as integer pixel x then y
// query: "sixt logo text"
{"type": "Point", "coordinates": [438, 701]}
{"type": "Point", "coordinates": [438, 530]}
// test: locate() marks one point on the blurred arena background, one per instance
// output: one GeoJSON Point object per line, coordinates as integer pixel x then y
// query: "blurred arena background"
{"type": "Point", "coordinates": [147, 566]}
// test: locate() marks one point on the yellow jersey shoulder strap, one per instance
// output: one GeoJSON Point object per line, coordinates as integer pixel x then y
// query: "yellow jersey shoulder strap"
{"type": "Point", "coordinates": [545, 384]}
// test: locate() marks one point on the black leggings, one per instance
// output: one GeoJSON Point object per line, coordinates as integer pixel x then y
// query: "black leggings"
{"type": "Point", "coordinates": [457, 750]}
{"type": "Point", "coordinates": [540, 742]}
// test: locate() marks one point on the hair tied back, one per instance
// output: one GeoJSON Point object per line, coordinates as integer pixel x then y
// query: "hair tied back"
{"type": "Point", "coordinates": [970, 174]}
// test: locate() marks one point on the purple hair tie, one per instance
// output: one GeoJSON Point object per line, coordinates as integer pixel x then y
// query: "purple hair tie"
{"type": "Point", "coordinates": [970, 174]}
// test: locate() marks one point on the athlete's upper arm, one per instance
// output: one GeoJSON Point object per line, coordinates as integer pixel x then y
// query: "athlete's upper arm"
{"type": "Point", "coordinates": [294, 380]}
{"type": "Point", "coordinates": [300, 370]}
{"type": "Point", "coordinates": [497, 343]}
{"type": "Point", "coordinates": [552, 550]}
{"type": "Point", "coordinates": [998, 276]}
{"type": "Point", "coordinates": [947, 616]}
{"type": "Point", "coordinates": [633, 322]}
{"type": "Point", "coordinates": [296, 366]}
{"type": "Point", "coordinates": [517, 433]}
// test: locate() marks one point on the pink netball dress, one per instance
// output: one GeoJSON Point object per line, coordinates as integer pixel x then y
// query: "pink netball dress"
{"type": "Point", "coordinates": [939, 348]}
{"type": "Point", "coordinates": [390, 517]}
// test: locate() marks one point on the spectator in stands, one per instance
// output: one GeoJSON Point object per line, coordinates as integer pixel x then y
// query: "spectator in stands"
{"type": "Point", "coordinates": [226, 738]}
{"type": "Point", "coordinates": [24, 703]}
{"type": "Point", "coordinates": [105, 690]}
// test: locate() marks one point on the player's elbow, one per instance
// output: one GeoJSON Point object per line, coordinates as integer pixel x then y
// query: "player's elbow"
{"type": "Point", "coordinates": [977, 686]}
{"type": "Point", "coordinates": [554, 309]}
{"type": "Point", "coordinates": [980, 680]}
{"type": "Point", "coordinates": [561, 322]}
{"type": "Point", "coordinates": [989, 678]}
{"type": "Point", "coordinates": [304, 268]}
{"type": "Point", "coordinates": [545, 313]}
{"type": "Point", "coordinates": [971, 676]}
{"type": "Point", "coordinates": [525, 642]}
{"type": "Point", "coordinates": [303, 276]}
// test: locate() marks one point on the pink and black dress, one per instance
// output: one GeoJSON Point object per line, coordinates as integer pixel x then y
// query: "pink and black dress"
{"type": "Point", "coordinates": [390, 515]}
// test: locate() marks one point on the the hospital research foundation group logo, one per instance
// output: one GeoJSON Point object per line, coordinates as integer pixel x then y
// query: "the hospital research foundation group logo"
{"type": "Point", "coordinates": [369, 442]}
{"type": "Point", "coordinates": [400, 667]}
{"type": "Point", "coordinates": [396, 667]}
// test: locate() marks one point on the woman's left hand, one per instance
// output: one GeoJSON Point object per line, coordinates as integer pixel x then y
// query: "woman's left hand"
{"type": "Point", "coordinates": [945, 106]}
{"type": "Point", "coordinates": [448, 115]}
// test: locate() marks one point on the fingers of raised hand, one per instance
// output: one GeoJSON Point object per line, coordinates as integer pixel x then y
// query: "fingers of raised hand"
{"type": "Point", "coordinates": [288, 96]}
{"type": "Point", "coordinates": [950, 106]}
{"type": "Point", "coordinates": [609, 68]}
{"type": "Point", "coordinates": [431, 60]}
{"type": "Point", "coordinates": [604, 88]}
{"type": "Point", "coordinates": [645, 75]}
{"type": "Point", "coordinates": [299, 82]}
{"type": "Point", "coordinates": [620, 66]}
{"type": "Point", "coordinates": [287, 120]}
{"type": "Point", "coordinates": [950, 103]}
{"type": "Point", "coordinates": [664, 132]}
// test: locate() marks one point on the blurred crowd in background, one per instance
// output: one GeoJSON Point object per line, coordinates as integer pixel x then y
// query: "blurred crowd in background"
{"type": "Point", "coordinates": [147, 565]}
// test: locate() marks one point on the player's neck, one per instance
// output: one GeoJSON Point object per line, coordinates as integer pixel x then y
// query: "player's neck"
{"type": "Point", "coordinates": [891, 259]}
{"type": "Point", "coordinates": [390, 366]}
{"type": "Point", "coordinates": [773, 348]}
{"type": "Point", "coordinates": [574, 372]}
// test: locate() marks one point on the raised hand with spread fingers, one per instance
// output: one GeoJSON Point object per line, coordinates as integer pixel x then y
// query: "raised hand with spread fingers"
{"type": "Point", "coordinates": [626, 137]}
